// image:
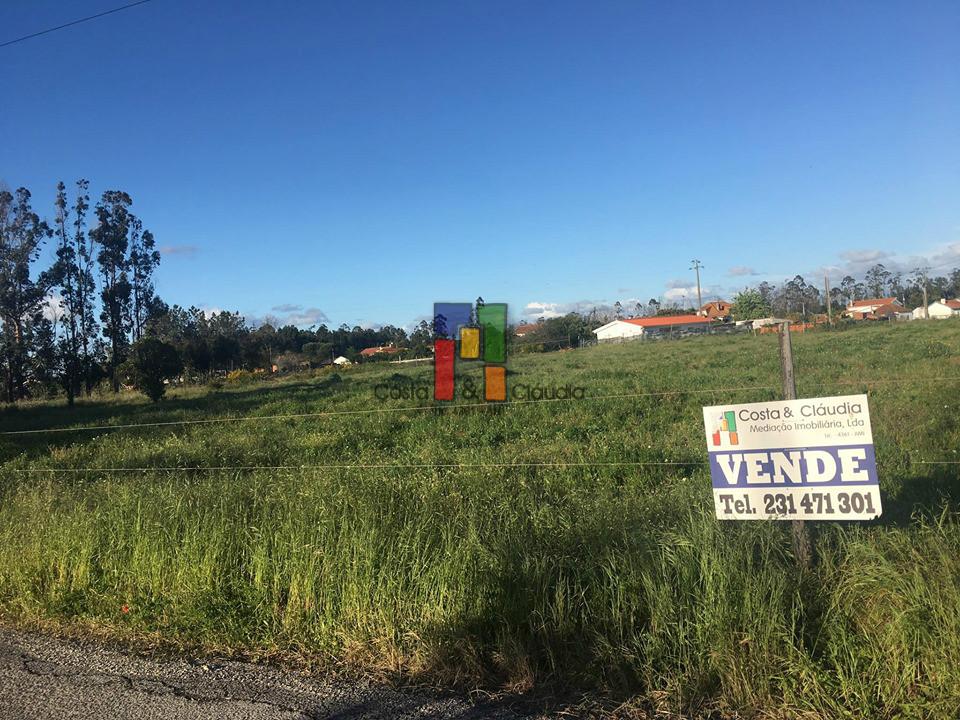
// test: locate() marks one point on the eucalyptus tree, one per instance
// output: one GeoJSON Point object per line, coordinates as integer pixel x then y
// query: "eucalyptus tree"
{"type": "Point", "coordinates": [72, 275]}
{"type": "Point", "coordinates": [877, 280]}
{"type": "Point", "coordinates": [111, 238]}
{"type": "Point", "coordinates": [21, 292]}
{"type": "Point", "coordinates": [144, 258]}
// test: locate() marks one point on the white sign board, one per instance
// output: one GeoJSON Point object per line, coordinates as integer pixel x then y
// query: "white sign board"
{"type": "Point", "coordinates": [809, 459]}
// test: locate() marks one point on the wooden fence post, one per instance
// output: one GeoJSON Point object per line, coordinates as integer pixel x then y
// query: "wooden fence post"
{"type": "Point", "coordinates": [802, 546]}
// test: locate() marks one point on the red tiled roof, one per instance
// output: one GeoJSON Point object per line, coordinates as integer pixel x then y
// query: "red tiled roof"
{"type": "Point", "coordinates": [528, 328]}
{"type": "Point", "coordinates": [952, 304]}
{"type": "Point", "coordinates": [367, 352]}
{"type": "Point", "coordinates": [666, 320]}
{"type": "Point", "coordinates": [873, 301]}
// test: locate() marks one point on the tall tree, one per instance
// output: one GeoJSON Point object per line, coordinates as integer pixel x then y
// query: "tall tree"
{"type": "Point", "coordinates": [144, 258]}
{"type": "Point", "coordinates": [71, 274]}
{"type": "Point", "coordinates": [848, 286]}
{"type": "Point", "coordinates": [82, 300]}
{"type": "Point", "coordinates": [111, 236]}
{"type": "Point", "coordinates": [795, 294]}
{"type": "Point", "coordinates": [21, 296]}
{"type": "Point", "coordinates": [877, 279]}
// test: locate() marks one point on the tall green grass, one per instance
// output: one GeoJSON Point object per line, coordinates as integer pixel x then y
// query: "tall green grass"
{"type": "Point", "coordinates": [609, 578]}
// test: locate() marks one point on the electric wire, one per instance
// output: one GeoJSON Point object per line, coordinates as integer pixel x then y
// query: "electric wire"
{"type": "Point", "coordinates": [72, 23]}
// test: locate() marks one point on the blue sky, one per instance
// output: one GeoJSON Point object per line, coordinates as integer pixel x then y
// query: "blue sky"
{"type": "Point", "coordinates": [357, 161]}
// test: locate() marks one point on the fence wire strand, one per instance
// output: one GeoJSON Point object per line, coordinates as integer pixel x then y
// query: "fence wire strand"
{"type": "Point", "coordinates": [456, 406]}
{"type": "Point", "coordinates": [364, 466]}
{"type": "Point", "coordinates": [392, 466]}
{"type": "Point", "coordinates": [418, 408]}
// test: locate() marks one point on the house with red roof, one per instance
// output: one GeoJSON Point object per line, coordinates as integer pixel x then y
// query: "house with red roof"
{"type": "Point", "coordinates": [943, 308]}
{"type": "Point", "coordinates": [379, 350]}
{"type": "Point", "coordinates": [525, 329]}
{"type": "Point", "coordinates": [634, 328]}
{"type": "Point", "coordinates": [874, 309]}
{"type": "Point", "coordinates": [716, 310]}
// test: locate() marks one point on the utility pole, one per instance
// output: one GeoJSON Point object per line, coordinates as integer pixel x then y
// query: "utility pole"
{"type": "Point", "coordinates": [696, 266]}
{"type": "Point", "coordinates": [926, 306]}
{"type": "Point", "coordinates": [801, 536]}
{"type": "Point", "coordinates": [826, 290]}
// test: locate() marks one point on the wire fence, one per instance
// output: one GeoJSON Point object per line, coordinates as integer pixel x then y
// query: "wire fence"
{"type": "Point", "coordinates": [459, 406]}
{"type": "Point", "coordinates": [389, 466]}
{"type": "Point", "coordinates": [692, 462]}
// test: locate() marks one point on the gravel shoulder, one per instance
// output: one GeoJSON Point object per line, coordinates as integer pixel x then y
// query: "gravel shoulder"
{"type": "Point", "coordinates": [48, 677]}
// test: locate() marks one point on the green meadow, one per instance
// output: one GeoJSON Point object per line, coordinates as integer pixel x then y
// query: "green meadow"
{"type": "Point", "coordinates": [508, 547]}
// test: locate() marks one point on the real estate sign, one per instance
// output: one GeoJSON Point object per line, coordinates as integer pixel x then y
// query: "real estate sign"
{"type": "Point", "coordinates": [809, 459]}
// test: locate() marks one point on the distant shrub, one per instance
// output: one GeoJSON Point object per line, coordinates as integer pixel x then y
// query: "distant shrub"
{"type": "Point", "coordinates": [153, 363]}
{"type": "Point", "coordinates": [240, 377]}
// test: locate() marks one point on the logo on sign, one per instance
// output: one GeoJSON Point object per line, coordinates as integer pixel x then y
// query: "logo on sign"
{"type": "Point", "coordinates": [474, 333]}
{"type": "Point", "coordinates": [726, 429]}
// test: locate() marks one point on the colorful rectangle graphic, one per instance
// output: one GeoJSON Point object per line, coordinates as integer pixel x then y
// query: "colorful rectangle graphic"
{"type": "Point", "coordinates": [448, 318]}
{"type": "Point", "coordinates": [494, 383]}
{"type": "Point", "coordinates": [469, 343]}
{"type": "Point", "coordinates": [493, 319]}
{"type": "Point", "coordinates": [443, 358]}
{"type": "Point", "coordinates": [481, 333]}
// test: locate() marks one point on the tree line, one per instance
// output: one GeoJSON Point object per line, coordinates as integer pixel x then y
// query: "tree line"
{"type": "Point", "coordinates": [72, 325]}
{"type": "Point", "coordinates": [798, 299]}
{"type": "Point", "coordinates": [92, 318]}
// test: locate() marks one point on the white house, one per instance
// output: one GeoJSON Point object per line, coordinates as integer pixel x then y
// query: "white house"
{"type": "Point", "coordinates": [618, 330]}
{"type": "Point", "coordinates": [943, 309]}
{"type": "Point", "coordinates": [632, 328]}
{"type": "Point", "coordinates": [342, 361]}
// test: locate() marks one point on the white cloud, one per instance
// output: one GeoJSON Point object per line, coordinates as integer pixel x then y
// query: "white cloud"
{"type": "Point", "coordinates": [292, 314]}
{"type": "Point", "coordinates": [185, 250]}
{"type": "Point", "coordinates": [939, 259]}
{"type": "Point", "coordinates": [542, 309]}
{"type": "Point", "coordinates": [947, 256]}
{"type": "Point", "coordinates": [680, 293]}
{"type": "Point", "coordinates": [741, 271]}
{"type": "Point", "coordinates": [537, 310]}
{"type": "Point", "coordinates": [864, 256]}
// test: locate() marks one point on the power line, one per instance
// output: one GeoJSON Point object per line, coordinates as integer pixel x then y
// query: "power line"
{"type": "Point", "coordinates": [419, 408]}
{"type": "Point", "coordinates": [73, 22]}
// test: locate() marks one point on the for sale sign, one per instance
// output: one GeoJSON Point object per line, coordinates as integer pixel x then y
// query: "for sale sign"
{"type": "Point", "coordinates": [807, 459]}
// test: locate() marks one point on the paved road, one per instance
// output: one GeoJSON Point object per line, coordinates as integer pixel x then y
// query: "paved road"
{"type": "Point", "coordinates": [45, 677]}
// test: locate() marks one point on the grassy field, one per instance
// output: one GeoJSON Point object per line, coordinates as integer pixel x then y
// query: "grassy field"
{"type": "Point", "coordinates": [599, 577]}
